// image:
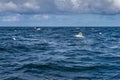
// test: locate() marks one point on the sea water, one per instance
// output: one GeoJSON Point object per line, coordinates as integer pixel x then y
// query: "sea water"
{"type": "Point", "coordinates": [55, 53]}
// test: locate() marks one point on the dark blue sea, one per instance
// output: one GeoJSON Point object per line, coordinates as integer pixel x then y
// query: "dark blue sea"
{"type": "Point", "coordinates": [55, 53]}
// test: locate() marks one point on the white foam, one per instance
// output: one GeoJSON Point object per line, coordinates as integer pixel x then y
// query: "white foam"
{"type": "Point", "coordinates": [100, 33]}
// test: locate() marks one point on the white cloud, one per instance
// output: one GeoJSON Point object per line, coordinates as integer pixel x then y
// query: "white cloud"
{"type": "Point", "coordinates": [60, 6]}
{"type": "Point", "coordinates": [40, 17]}
{"type": "Point", "coordinates": [12, 18]}
{"type": "Point", "coordinates": [29, 5]}
{"type": "Point", "coordinates": [9, 6]}
{"type": "Point", "coordinates": [116, 3]}
{"type": "Point", "coordinates": [46, 16]}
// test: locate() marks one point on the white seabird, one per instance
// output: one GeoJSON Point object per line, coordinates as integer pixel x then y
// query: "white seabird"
{"type": "Point", "coordinates": [38, 29]}
{"type": "Point", "coordinates": [79, 35]}
{"type": "Point", "coordinates": [13, 37]}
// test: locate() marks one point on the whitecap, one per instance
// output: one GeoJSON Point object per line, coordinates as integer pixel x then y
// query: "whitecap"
{"type": "Point", "coordinates": [100, 33]}
{"type": "Point", "coordinates": [114, 47]}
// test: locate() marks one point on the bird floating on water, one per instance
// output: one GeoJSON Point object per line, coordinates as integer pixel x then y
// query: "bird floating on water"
{"type": "Point", "coordinates": [38, 29]}
{"type": "Point", "coordinates": [13, 37]}
{"type": "Point", "coordinates": [79, 35]}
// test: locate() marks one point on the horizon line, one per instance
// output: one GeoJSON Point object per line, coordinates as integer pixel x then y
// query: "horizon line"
{"type": "Point", "coordinates": [61, 26]}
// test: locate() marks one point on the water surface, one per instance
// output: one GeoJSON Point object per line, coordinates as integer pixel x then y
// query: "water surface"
{"type": "Point", "coordinates": [56, 54]}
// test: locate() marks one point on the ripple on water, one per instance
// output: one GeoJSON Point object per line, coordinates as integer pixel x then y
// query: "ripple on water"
{"type": "Point", "coordinates": [55, 54]}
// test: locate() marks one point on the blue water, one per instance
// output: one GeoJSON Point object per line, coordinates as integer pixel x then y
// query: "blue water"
{"type": "Point", "coordinates": [56, 54]}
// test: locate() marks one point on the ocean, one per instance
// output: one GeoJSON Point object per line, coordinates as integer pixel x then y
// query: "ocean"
{"type": "Point", "coordinates": [56, 53]}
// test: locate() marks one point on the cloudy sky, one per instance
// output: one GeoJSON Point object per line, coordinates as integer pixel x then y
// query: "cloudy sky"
{"type": "Point", "coordinates": [59, 12]}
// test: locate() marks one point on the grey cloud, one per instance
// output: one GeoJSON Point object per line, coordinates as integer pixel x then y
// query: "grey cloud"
{"type": "Point", "coordinates": [60, 6]}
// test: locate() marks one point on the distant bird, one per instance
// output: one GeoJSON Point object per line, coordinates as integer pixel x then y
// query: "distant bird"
{"type": "Point", "coordinates": [79, 35]}
{"type": "Point", "coordinates": [38, 29]}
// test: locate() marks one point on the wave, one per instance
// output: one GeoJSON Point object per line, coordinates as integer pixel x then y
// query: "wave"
{"type": "Point", "coordinates": [56, 54]}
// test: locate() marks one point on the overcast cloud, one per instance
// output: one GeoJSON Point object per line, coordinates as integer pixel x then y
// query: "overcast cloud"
{"type": "Point", "coordinates": [59, 6]}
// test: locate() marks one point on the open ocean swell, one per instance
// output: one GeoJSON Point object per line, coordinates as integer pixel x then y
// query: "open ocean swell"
{"type": "Point", "coordinates": [56, 54]}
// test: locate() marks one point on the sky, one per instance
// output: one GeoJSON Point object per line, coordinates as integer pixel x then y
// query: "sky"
{"type": "Point", "coordinates": [59, 12]}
